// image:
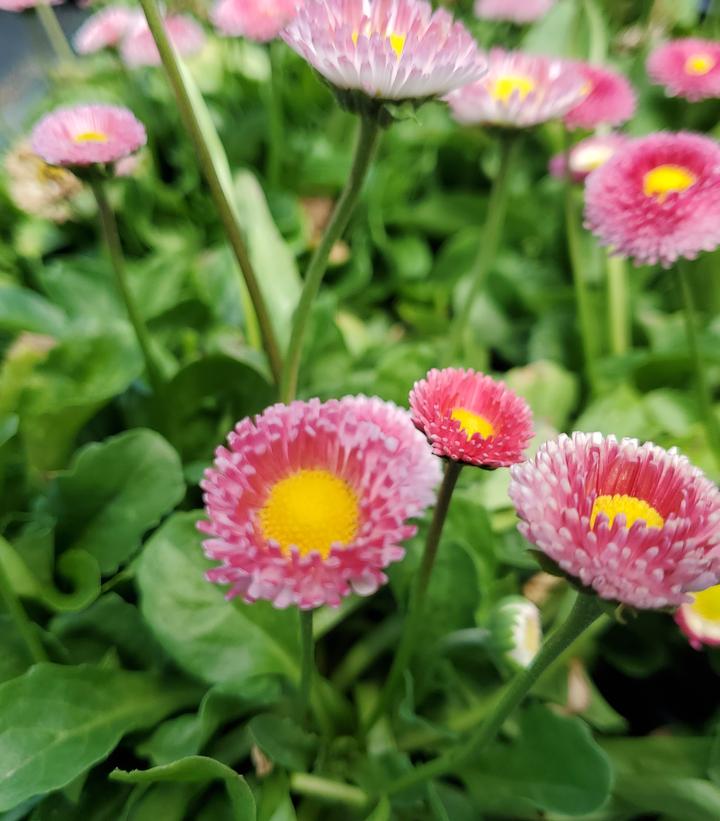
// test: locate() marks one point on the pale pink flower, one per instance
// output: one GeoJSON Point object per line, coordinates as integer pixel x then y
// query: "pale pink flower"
{"type": "Point", "coordinates": [259, 20]}
{"type": "Point", "coordinates": [138, 47]}
{"type": "Point", "coordinates": [699, 618]}
{"type": "Point", "coordinates": [587, 155]}
{"type": "Point", "coordinates": [687, 68]}
{"type": "Point", "coordinates": [518, 91]}
{"type": "Point", "coordinates": [105, 29]}
{"type": "Point", "coordinates": [637, 524]}
{"type": "Point", "coordinates": [23, 5]}
{"type": "Point", "coordinates": [388, 49]}
{"type": "Point", "coordinates": [87, 134]}
{"type": "Point", "coordinates": [472, 418]}
{"type": "Point", "coordinates": [608, 98]}
{"type": "Point", "coordinates": [515, 11]}
{"type": "Point", "coordinates": [311, 500]}
{"type": "Point", "coordinates": [658, 198]}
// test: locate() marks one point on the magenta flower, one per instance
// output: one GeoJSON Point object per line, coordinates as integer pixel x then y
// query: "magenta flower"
{"type": "Point", "coordinates": [515, 11]}
{"type": "Point", "coordinates": [608, 99]}
{"type": "Point", "coordinates": [518, 91]}
{"type": "Point", "coordinates": [311, 500]}
{"type": "Point", "coordinates": [259, 20]}
{"type": "Point", "coordinates": [637, 524]}
{"type": "Point", "coordinates": [87, 134]}
{"type": "Point", "coordinates": [587, 155]}
{"type": "Point", "coordinates": [23, 5]}
{"type": "Point", "coordinates": [470, 417]}
{"type": "Point", "coordinates": [388, 50]}
{"type": "Point", "coordinates": [105, 29]}
{"type": "Point", "coordinates": [699, 618]}
{"type": "Point", "coordinates": [687, 68]}
{"type": "Point", "coordinates": [658, 198]}
{"type": "Point", "coordinates": [138, 47]}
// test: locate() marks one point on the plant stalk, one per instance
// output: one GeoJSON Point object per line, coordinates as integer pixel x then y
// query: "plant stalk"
{"type": "Point", "coordinates": [59, 42]}
{"type": "Point", "coordinates": [276, 128]}
{"type": "Point", "coordinates": [307, 663]}
{"type": "Point", "coordinates": [618, 305]}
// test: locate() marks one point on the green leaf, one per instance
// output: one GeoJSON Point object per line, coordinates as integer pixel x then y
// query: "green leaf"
{"type": "Point", "coordinates": [113, 492]}
{"type": "Point", "coordinates": [24, 310]}
{"type": "Point", "coordinates": [57, 721]}
{"type": "Point", "coordinates": [198, 769]}
{"type": "Point", "coordinates": [282, 740]}
{"type": "Point", "coordinates": [551, 391]}
{"type": "Point", "coordinates": [213, 639]}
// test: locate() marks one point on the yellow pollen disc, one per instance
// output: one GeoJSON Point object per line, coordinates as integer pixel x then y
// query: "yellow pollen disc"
{"type": "Point", "coordinates": [311, 510]}
{"type": "Point", "coordinates": [90, 137]}
{"type": "Point", "coordinates": [503, 88]}
{"type": "Point", "coordinates": [699, 64]}
{"type": "Point", "coordinates": [706, 603]}
{"type": "Point", "coordinates": [634, 509]}
{"type": "Point", "coordinates": [472, 423]}
{"type": "Point", "coordinates": [667, 179]}
{"type": "Point", "coordinates": [397, 41]}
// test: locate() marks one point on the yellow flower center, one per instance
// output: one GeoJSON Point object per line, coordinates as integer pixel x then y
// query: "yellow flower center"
{"type": "Point", "coordinates": [667, 179]}
{"type": "Point", "coordinates": [590, 158]}
{"type": "Point", "coordinates": [706, 603]}
{"type": "Point", "coordinates": [90, 137]}
{"type": "Point", "coordinates": [311, 510]}
{"type": "Point", "coordinates": [634, 510]}
{"type": "Point", "coordinates": [502, 88]}
{"type": "Point", "coordinates": [472, 423]}
{"type": "Point", "coordinates": [699, 64]}
{"type": "Point", "coordinates": [397, 41]}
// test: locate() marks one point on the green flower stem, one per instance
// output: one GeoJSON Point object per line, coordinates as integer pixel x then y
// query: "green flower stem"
{"type": "Point", "coordinates": [367, 142]}
{"type": "Point", "coordinates": [25, 627]}
{"type": "Point", "coordinates": [276, 128]}
{"type": "Point", "coordinates": [586, 610]}
{"type": "Point", "coordinates": [618, 305]}
{"type": "Point", "coordinates": [307, 663]}
{"type": "Point", "coordinates": [704, 393]}
{"type": "Point", "coordinates": [414, 620]}
{"type": "Point", "coordinates": [212, 176]}
{"type": "Point", "coordinates": [112, 241]}
{"type": "Point", "coordinates": [55, 34]}
{"type": "Point", "coordinates": [489, 240]}
{"type": "Point", "coordinates": [314, 786]}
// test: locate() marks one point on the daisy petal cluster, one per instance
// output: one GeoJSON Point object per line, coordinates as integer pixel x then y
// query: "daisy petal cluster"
{"type": "Point", "coordinates": [471, 418]}
{"type": "Point", "coordinates": [87, 134]}
{"type": "Point", "coordinates": [587, 155]}
{"type": "Point", "coordinates": [311, 500]}
{"type": "Point", "coordinates": [23, 5]}
{"type": "Point", "coordinates": [105, 29]}
{"type": "Point", "coordinates": [699, 619]}
{"type": "Point", "coordinates": [608, 98]}
{"type": "Point", "coordinates": [688, 68]}
{"type": "Point", "coordinates": [259, 20]}
{"type": "Point", "coordinates": [514, 11]}
{"type": "Point", "coordinates": [637, 524]}
{"type": "Point", "coordinates": [518, 91]}
{"type": "Point", "coordinates": [138, 46]}
{"type": "Point", "coordinates": [392, 50]}
{"type": "Point", "coordinates": [658, 198]}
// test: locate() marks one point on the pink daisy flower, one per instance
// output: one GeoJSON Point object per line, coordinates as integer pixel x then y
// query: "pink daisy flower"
{"type": "Point", "coordinates": [23, 5]}
{"type": "Point", "coordinates": [587, 155]}
{"type": "Point", "coordinates": [259, 20]}
{"type": "Point", "coordinates": [105, 29]}
{"type": "Point", "coordinates": [87, 134]}
{"type": "Point", "coordinates": [687, 68]}
{"type": "Point", "coordinates": [699, 618]}
{"type": "Point", "coordinates": [470, 417]}
{"type": "Point", "coordinates": [658, 198]}
{"type": "Point", "coordinates": [515, 11]}
{"type": "Point", "coordinates": [387, 49]}
{"type": "Point", "coordinates": [519, 90]}
{"type": "Point", "coordinates": [608, 99]}
{"type": "Point", "coordinates": [637, 524]}
{"type": "Point", "coordinates": [138, 47]}
{"type": "Point", "coordinates": [310, 501]}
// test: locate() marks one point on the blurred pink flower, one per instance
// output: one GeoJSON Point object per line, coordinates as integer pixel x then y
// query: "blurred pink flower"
{"type": "Point", "coordinates": [138, 47]}
{"type": "Point", "coordinates": [23, 5]}
{"type": "Point", "coordinates": [259, 20]}
{"type": "Point", "coordinates": [687, 68]}
{"type": "Point", "coordinates": [608, 99]}
{"type": "Point", "coordinates": [699, 619]}
{"type": "Point", "coordinates": [105, 29]}
{"type": "Point", "coordinates": [587, 155]}
{"type": "Point", "coordinates": [515, 11]}
{"type": "Point", "coordinates": [310, 501]}
{"type": "Point", "coordinates": [658, 198]}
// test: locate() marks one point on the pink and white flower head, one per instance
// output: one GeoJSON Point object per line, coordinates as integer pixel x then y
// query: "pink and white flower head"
{"type": "Point", "coordinates": [699, 619]}
{"type": "Point", "coordinates": [138, 47]}
{"type": "Point", "coordinates": [608, 98]}
{"type": "Point", "coordinates": [87, 134]}
{"type": "Point", "coordinates": [586, 156]}
{"type": "Point", "coordinates": [688, 68]}
{"type": "Point", "coordinates": [105, 29]}
{"type": "Point", "coordinates": [637, 524]}
{"type": "Point", "coordinates": [311, 501]}
{"type": "Point", "coordinates": [514, 11]}
{"type": "Point", "coordinates": [658, 198]}
{"type": "Point", "coordinates": [472, 418]}
{"type": "Point", "coordinates": [387, 50]}
{"type": "Point", "coordinates": [259, 20]}
{"type": "Point", "coordinates": [519, 90]}
{"type": "Point", "coordinates": [23, 5]}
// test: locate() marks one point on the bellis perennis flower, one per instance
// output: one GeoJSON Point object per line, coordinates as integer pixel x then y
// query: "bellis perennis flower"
{"type": "Point", "coordinates": [259, 20]}
{"type": "Point", "coordinates": [138, 46]}
{"type": "Point", "coordinates": [637, 524]}
{"type": "Point", "coordinates": [516, 630]}
{"type": "Point", "coordinates": [310, 501]}
{"type": "Point", "coordinates": [105, 29]}
{"type": "Point", "coordinates": [687, 68]}
{"type": "Point", "coordinates": [515, 11]}
{"type": "Point", "coordinates": [586, 156]}
{"type": "Point", "coordinates": [699, 619]}
{"type": "Point", "coordinates": [608, 98]}
{"type": "Point", "coordinates": [23, 5]}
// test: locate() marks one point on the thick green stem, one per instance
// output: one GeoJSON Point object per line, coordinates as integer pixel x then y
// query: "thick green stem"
{"type": "Point", "coordinates": [55, 34]}
{"type": "Point", "coordinates": [273, 165]}
{"type": "Point", "coordinates": [489, 240]}
{"type": "Point", "coordinates": [212, 175]}
{"type": "Point", "coordinates": [25, 627]}
{"type": "Point", "coordinates": [307, 663]}
{"type": "Point", "coordinates": [415, 615]}
{"type": "Point", "coordinates": [367, 141]}
{"type": "Point", "coordinates": [112, 242]}
{"type": "Point", "coordinates": [704, 393]}
{"type": "Point", "coordinates": [585, 611]}
{"type": "Point", "coordinates": [618, 305]}
{"type": "Point", "coordinates": [324, 789]}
